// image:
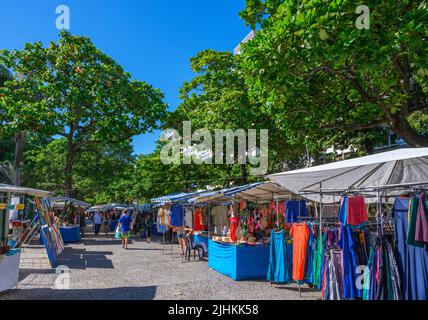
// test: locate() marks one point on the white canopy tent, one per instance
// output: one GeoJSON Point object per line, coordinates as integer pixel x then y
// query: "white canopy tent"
{"type": "Point", "coordinates": [258, 192]}
{"type": "Point", "coordinates": [264, 192]}
{"type": "Point", "coordinates": [397, 168]}
{"type": "Point", "coordinates": [32, 192]}
{"type": "Point", "coordinates": [61, 201]}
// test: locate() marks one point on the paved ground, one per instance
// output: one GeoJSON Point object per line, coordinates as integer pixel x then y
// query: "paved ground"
{"type": "Point", "coordinates": [101, 269]}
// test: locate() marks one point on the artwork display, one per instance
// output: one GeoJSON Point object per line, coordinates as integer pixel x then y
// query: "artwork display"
{"type": "Point", "coordinates": [49, 231]}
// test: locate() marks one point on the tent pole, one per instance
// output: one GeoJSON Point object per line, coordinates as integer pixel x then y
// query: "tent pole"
{"type": "Point", "coordinates": [277, 212]}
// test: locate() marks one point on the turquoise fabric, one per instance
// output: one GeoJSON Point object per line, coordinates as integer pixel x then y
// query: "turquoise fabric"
{"type": "Point", "coordinates": [278, 265]}
{"type": "Point", "coordinates": [317, 263]}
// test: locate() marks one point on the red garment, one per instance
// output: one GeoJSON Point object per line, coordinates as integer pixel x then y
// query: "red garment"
{"type": "Point", "coordinates": [357, 211]}
{"type": "Point", "coordinates": [234, 222]}
{"type": "Point", "coordinates": [281, 208]}
{"type": "Point", "coordinates": [197, 220]}
{"type": "Point", "coordinates": [300, 233]}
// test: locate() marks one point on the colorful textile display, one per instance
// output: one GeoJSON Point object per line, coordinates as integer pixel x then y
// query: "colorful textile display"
{"type": "Point", "coordinates": [417, 214]}
{"type": "Point", "coordinates": [317, 260]}
{"type": "Point", "coordinates": [176, 214]}
{"type": "Point", "coordinates": [353, 211]}
{"type": "Point", "coordinates": [278, 261]}
{"type": "Point", "coordinates": [382, 281]}
{"type": "Point", "coordinates": [197, 225]}
{"type": "Point", "coordinates": [332, 277]}
{"type": "Point", "coordinates": [412, 260]}
{"type": "Point", "coordinates": [300, 233]}
{"type": "Point", "coordinates": [234, 222]}
{"type": "Point", "coordinates": [421, 229]}
{"type": "Point", "coordinates": [295, 209]}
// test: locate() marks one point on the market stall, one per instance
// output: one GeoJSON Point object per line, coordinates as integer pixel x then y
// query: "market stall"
{"type": "Point", "coordinates": [70, 233]}
{"type": "Point", "coordinates": [116, 208]}
{"type": "Point", "coordinates": [175, 214]}
{"type": "Point", "coordinates": [376, 246]}
{"type": "Point", "coordinates": [240, 221]}
{"type": "Point", "coordinates": [16, 213]}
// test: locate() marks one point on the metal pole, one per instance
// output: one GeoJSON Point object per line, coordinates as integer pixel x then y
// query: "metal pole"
{"type": "Point", "coordinates": [277, 212]}
{"type": "Point", "coordinates": [209, 220]}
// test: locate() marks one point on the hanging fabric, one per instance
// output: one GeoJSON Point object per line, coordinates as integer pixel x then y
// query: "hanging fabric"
{"type": "Point", "coordinates": [234, 222]}
{"type": "Point", "coordinates": [332, 278]}
{"type": "Point", "coordinates": [295, 209]}
{"type": "Point", "coordinates": [382, 281]}
{"type": "Point", "coordinates": [421, 229]}
{"type": "Point", "coordinates": [317, 261]}
{"type": "Point", "coordinates": [300, 233]}
{"type": "Point", "coordinates": [412, 261]}
{"type": "Point", "coordinates": [278, 271]}
{"type": "Point", "coordinates": [197, 226]}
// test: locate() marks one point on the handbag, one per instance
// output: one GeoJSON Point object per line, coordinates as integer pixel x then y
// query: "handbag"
{"type": "Point", "coordinates": [117, 233]}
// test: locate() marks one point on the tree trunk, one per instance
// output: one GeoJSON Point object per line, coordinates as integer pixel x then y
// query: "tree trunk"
{"type": "Point", "coordinates": [402, 128]}
{"type": "Point", "coordinates": [69, 168]}
{"type": "Point", "coordinates": [19, 140]}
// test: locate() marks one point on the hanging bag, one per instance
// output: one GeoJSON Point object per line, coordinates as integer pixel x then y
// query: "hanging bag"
{"type": "Point", "coordinates": [117, 233]}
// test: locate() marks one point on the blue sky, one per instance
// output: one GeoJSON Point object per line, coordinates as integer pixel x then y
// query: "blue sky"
{"type": "Point", "coordinates": [153, 40]}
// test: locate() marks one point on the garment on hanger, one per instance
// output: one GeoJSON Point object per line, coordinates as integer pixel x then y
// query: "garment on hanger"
{"type": "Point", "coordinates": [234, 222]}
{"type": "Point", "coordinates": [317, 261]}
{"type": "Point", "coordinates": [264, 221]}
{"type": "Point", "coordinates": [219, 215]}
{"type": "Point", "coordinates": [176, 214]}
{"type": "Point", "coordinates": [343, 209]}
{"type": "Point", "coordinates": [295, 209]}
{"type": "Point", "coordinates": [356, 211]}
{"type": "Point", "coordinates": [412, 261]}
{"type": "Point", "coordinates": [382, 280]}
{"type": "Point", "coordinates": [300, 233]}
{"type": "Point", "coordinates": [197, 226]}
{"type": "Point", "coordinates": [309, 255]}
{"type": "Point", "coordinates": [332, 278]}
{"type": "Point", "coordinates": [188, 217]}
{"type": "Point", "coordinates": [412, 218]}
{"type": "Point", "coordinates": [421, 229]}
{"type": "Point", "coordinates": [349, 263]}
{"type": "Point", "coordinates": [278, 271]}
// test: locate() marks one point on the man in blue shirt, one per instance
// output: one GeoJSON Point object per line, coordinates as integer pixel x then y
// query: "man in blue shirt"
{"type": "Point", "coordinates": [125, 226]}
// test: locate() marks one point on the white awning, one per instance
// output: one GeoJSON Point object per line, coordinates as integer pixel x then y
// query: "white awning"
{"type": "Point", "coordinates": [393, 168]}
{"type": "Point", "coordinates": [29, 191]}
{"type": "Point", "coordinates": [61, 201]}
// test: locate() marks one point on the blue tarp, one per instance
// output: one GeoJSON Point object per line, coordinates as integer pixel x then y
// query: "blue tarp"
{"type": "Point", "coordinates": [239, 262]}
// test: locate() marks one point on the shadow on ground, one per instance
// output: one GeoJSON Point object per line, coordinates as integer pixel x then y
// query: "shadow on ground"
{"type": "Point", "coordinates": [121, 293]}
{"type": "Point", "coordinates": [82, 259]}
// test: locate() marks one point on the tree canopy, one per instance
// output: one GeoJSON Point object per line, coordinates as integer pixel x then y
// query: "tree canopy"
{"type": "Point", "coordinates": [72, 89]}
{"type": "Point", "coordinates": [313, 68]}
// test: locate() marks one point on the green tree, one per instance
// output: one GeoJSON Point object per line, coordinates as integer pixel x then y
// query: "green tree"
{"type": "Point", "coordinates": [217, 98]}
{"type": "Point", "coordinates": [74, 90]}
{"type": "Point", "coordinates": [99, 172]}
{"type": "Point", "coordinates": [323, 77]}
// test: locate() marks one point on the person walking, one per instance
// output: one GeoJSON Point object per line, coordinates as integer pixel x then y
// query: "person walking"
{"type": "Point", "coordinates": [106, 221]}
{"type": "Point", "coordinates": [148, 223]}
{"type": "Point", "coordinates": [97, 222]}
{"type": "Point", "coordinates": [125, 227]}
{"type": "Point", "coordinates": [80, 221]}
